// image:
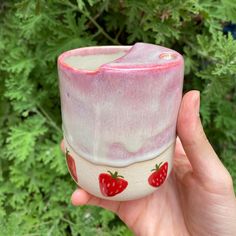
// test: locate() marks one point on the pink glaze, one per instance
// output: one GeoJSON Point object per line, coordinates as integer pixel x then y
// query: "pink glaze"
{"type": "Point", "coordinates": [126, 110]}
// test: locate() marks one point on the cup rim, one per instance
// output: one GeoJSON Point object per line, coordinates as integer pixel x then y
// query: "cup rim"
{"type": "Point", "coordinates": [108, 66]}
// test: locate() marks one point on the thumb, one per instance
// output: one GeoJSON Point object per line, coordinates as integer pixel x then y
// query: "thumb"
{"type": "Point", "coordinates": [206, 165]}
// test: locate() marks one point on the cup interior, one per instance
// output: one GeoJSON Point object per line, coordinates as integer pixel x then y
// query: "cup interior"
{"type": "Point", "coordinates": [91, 58]}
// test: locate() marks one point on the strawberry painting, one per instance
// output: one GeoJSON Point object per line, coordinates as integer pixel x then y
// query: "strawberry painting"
{"type": "Point", "coordinates": [159, 175]}
{"type": "Point", "coordinates": [71, 165]}
{"type": "Point", "coordinates": [112, 184]}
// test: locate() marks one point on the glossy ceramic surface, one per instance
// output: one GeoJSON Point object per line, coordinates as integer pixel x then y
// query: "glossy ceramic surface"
{"type": "Point", "coordinates": [119, 108]}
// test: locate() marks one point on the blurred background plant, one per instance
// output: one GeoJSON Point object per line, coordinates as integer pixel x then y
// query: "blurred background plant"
{"type": "Point", "coordinates": [35, 185]}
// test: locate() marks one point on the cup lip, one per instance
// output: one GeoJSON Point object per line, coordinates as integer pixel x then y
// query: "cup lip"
{"type": "Point", "coordinates": [107, 66]}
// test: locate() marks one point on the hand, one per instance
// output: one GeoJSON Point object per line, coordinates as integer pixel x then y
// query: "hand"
{"type": "Point", "coordinates": [198, 197]}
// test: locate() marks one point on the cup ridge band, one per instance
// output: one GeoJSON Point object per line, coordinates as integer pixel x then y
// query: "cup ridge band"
{"type": "Point", "coordinates": [122, 163]}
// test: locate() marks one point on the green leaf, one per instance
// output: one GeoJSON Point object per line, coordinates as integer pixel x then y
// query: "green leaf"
{"type": "Point", "coordinates": [22, 138]}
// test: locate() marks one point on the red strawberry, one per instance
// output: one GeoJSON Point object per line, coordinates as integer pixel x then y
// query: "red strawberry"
{"type": "Point", "coordinates": [111, 184]}
{"type": "Point", "coordinates": [71, 165]}
{"type": "Point", "coordinates": [158, 177]}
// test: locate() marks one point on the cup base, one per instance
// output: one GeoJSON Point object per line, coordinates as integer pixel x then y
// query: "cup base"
{"type": "Point", "coordinates": [120, 183]}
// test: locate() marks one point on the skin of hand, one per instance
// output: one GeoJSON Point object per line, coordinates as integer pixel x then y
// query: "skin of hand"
{"type": "Point", "coordinates": [198, 197]}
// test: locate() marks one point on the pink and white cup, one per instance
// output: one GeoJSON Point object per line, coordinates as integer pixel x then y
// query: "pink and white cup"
{"type": "Point", "coordinates": [119, 110]}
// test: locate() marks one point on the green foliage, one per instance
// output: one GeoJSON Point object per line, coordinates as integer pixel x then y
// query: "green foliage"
{"type": "Point", "coordinates": [35, 185]}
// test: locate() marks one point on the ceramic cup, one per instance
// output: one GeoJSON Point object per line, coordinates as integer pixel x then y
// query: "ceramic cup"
{"type": "Point", "coordinates": [119, 110]}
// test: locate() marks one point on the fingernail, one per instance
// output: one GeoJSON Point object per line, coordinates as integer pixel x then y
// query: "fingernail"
{"type": "Point", "coordinates": [197, 102]}
{"type": "Point", "coordinates": [75, 197]}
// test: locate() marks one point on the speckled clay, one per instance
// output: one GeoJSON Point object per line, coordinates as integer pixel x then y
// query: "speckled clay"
{"type": "Point", "coordinates": [119, 110]}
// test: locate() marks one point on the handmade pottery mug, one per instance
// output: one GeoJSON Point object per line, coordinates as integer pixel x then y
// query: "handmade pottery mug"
{"type": "Point", "coordinates": [119, 110]}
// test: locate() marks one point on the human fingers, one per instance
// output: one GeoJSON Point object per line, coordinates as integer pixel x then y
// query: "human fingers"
{"type": "Point", "coordinates": [128, 211]}
{"type": "Point", "coordinates": [181, 165]}
{"type": "Point", "coordinates": [205, 163]}
{"type": "Point", "coordinates": [62, 145]}
{"type": "Point", "coordinates": [81, 197]}
{"type": "Point", "coordinates": [179, 150]}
